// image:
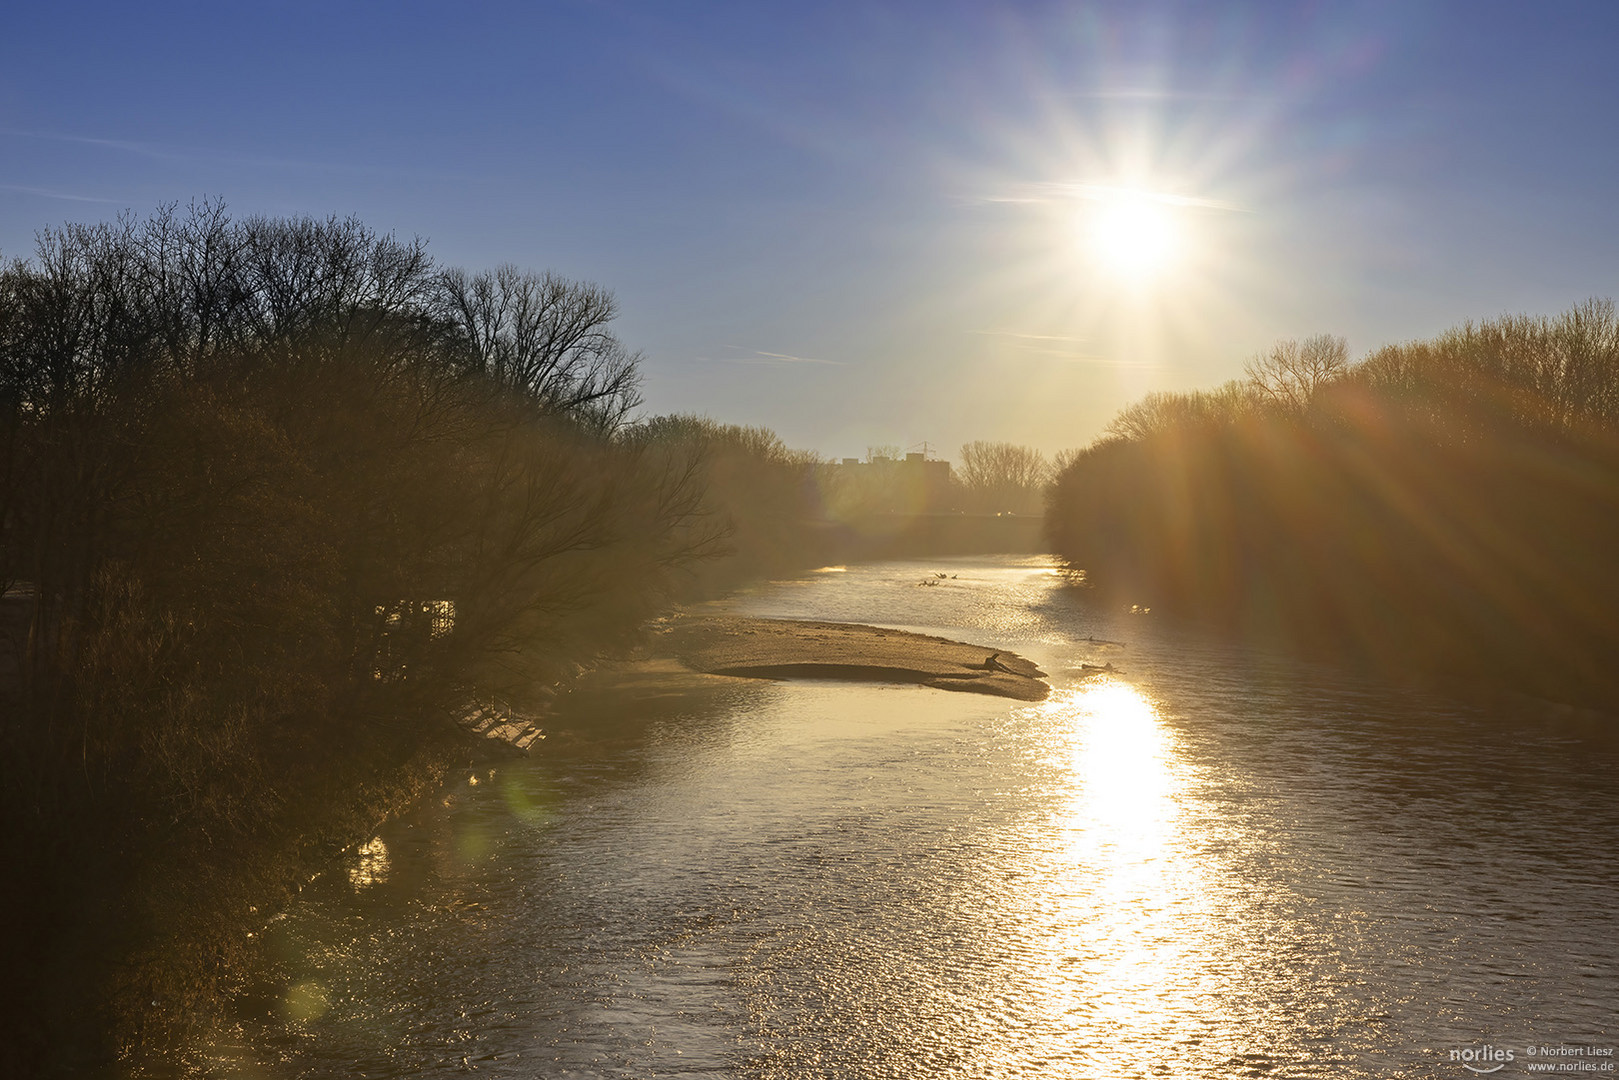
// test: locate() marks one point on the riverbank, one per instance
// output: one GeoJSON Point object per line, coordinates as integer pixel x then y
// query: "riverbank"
{"type": "Point", "coordinates": [146, 987]}
{"type": "Point", "coordinates": [141, 953]}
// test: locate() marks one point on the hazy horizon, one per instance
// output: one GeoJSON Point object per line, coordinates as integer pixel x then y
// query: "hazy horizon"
{"type": "Point", "coordinates": [862, 225]}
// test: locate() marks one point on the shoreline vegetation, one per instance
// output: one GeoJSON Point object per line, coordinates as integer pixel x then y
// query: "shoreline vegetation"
{"type": "Point", "coordinates": [278, 498]}
{"type": "Point", "coordinates": [1443, 510]}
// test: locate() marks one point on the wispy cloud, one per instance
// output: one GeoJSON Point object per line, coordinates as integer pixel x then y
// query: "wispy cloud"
{"type": "Point", "coordinates": [47, 193]}
{"type": "Point", "coordinates": [1051, 192]}
{"type": "Point", "coordinates": [1020, 336]}
{"type": "Point", "coordinates": [1158, 94]}
{"type": "Point", "coordinates": [1061, 346]}
{"type": "Point", "coordinates": [198, 154]}
{"type": "Point", "coordinates": [152, 150]}
{"type": "Point", "coordinates": [771, 359]}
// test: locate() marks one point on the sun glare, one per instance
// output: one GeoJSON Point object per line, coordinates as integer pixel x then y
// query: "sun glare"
{"type": "Point", "coordinates": [1132, 235]}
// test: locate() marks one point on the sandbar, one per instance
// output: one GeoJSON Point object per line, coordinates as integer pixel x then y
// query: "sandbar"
{"type": "Point", "coordinates": [744, 647]}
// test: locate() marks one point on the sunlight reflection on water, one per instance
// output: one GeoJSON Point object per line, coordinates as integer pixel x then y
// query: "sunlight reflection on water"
{"type": "Point", "coordinates": [1196, 866]}
{"type": "Point", "coordinates": [1118, 904]}
{"type": "Point", "coordinates": [370, 865]}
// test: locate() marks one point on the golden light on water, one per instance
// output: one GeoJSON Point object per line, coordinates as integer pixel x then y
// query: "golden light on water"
{"type": "Point", "coordinates": [1116, 955]}
{"type": "Point", "coordinates": [371, 863]}
{"type": "Point", "coordinates": [1122, 828]}
{"type": "Point", "coordinates": [305, 1002]}
{"type": "Point", "coordinates": [1121, 765]}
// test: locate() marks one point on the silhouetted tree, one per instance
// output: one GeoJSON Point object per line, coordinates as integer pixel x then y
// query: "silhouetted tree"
{"type": "Point", "coordinates": [277, 494]}
{"type": "Point", "coordinates": [1161, 411]}
{"type": "Point", "coordinates": [999, 477]}
{"type": "Point", "coordinates": [1447, 506]}
{"type": "Point", "coordinates": [545, 337]}
{"type": "Point", "coordinates": [759, 499]}
{"type": "Point", "coordinates": [1289, 376]}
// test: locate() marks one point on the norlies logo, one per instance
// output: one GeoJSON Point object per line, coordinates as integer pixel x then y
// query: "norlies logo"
{"type": "Point", "coordinates": [1482, 1059]}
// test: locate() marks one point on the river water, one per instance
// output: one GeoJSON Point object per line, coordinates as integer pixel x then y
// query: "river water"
{"type": "Point", "coordinates": [1205, 864]}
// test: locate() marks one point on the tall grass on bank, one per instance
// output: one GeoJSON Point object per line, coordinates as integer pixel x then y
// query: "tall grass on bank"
{"type": "Point", "coordinates": [1448, 507]}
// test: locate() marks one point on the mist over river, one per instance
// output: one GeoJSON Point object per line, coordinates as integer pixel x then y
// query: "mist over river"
{"type": "Point", "coordinates": [1206, 863]}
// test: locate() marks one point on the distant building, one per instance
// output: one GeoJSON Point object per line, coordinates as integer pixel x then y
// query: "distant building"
{"type": "Point", "coordinates": [914, 485]}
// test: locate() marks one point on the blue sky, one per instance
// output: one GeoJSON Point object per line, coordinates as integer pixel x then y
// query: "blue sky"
{"type": "Point", "coordinates": [864, 223]}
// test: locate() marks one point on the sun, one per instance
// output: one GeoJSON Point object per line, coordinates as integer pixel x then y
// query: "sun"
{"type": "Point", "coordinates": [1132, 235]}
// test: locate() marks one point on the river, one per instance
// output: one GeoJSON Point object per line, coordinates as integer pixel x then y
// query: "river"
{"type": "Point", "coordinates": [1208, 863]}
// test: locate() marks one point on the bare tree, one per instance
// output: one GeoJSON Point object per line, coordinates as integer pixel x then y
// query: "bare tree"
{"type": "Point", "coordinates": [1290, 374]}
{"type": "Point", "coordinates": [547, 338]}
{"type": "Point", "coordinates": [1163, 411]}
{"type": "Point", "coordinates": [999, 476]}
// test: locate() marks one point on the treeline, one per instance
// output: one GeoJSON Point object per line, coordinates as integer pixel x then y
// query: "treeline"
{"type": "Point", "coordinates": [1002, 478]}
{"type": "Point", "coordinates": [759, 507]}
{"type": "Point", "coordinates": [1448, 507]}
{"type": "Point", "coordinates": [277, 497]}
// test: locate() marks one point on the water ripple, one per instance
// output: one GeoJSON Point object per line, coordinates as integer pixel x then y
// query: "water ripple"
{"type": "Point", "coordinates": [1213, 864]}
